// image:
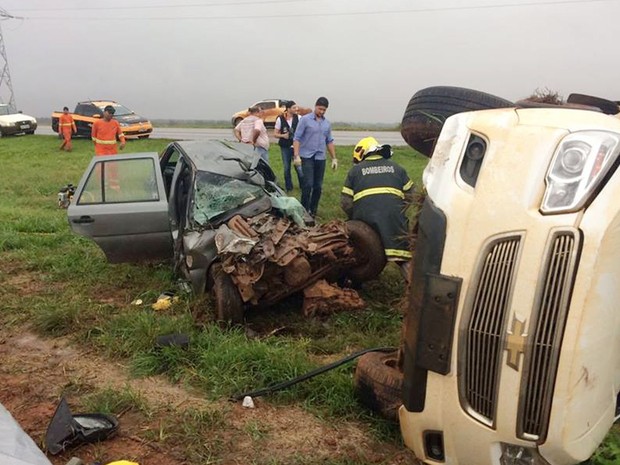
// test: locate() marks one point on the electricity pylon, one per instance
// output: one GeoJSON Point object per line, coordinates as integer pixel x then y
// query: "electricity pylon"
{"type": "Point", "coordinates": [6, 87]}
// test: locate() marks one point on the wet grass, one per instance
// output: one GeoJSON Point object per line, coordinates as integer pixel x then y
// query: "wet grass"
{"type": "Point", "coordinates": [61, 285]}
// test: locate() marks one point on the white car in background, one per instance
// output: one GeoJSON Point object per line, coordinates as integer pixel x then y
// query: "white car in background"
{"type": "Point", "coordinates": [15, 123]}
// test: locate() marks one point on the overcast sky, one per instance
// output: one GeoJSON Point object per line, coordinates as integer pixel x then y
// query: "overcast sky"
{"type": "Point", "coordinates": [206, 59]}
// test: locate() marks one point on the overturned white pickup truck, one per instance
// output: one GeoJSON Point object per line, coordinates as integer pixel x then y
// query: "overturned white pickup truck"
{"type": "Point", "coordinates": [511, 346]}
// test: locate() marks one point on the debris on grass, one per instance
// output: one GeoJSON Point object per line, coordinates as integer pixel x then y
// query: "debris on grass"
{"type": "Point", "coordinates": [270, 257]}
{"type": "Point", "coordinates": [323, 298]}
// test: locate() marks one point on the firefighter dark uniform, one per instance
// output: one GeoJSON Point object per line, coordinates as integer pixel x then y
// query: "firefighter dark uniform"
{"type": "Point", "coordinates": [375, 192]}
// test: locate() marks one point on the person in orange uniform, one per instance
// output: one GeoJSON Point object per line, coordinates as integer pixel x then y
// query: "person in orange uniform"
{"type": "Point", "coordinates": [66, 128]}
{"type": "Point", "coordinates": [104, 134]}
{"type": "Point", "coordinates": [105, 131]}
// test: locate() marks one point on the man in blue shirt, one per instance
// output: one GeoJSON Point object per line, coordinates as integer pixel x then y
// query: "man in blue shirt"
{"type": "Point", "coordinates": [313, 134]}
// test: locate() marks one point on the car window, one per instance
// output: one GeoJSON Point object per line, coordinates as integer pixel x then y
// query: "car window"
{"type": "Point", "coordinates": [266, 105]}
{"type": "Point", "coordinates": [87, 110]}
{"type": "Point", "coordinates": [119, 110]}
{"type": "Point", "coordinates": [169, 162]}
{"type": "Point", "coordinates": [215, 194]}
{"type": "Point", "coordinates": [120, 181]}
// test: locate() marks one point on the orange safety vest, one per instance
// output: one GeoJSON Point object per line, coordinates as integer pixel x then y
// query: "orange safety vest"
{"type": "Point", "coordinates": [66, 125]}
{"type": "Point", "coordinates": [104, 135]}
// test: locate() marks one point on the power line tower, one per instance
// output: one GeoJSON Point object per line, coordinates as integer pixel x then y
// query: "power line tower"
{"type": "Point", "coordinates": [6, 88]}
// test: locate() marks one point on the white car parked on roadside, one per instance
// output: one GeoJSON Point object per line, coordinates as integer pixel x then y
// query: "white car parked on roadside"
{"type": "Point", "coordinates": [15, 123]}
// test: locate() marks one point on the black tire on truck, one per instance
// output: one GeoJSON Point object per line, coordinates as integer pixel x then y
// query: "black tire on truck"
{"type": "Point", "coordinates": [379, 383]}
{"type": "Point", "coordinates": [369, 253]}
{"type": "Point", "coordinates": [429, 108]}
{"type": "Point", "coordinates": [229, 306]}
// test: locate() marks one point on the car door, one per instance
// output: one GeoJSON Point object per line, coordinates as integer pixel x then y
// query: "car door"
{"type": "Point", "coordinates": [271, 111]}
{"type": "Point", "coordinates": [86, 114]}
{"type": "Point", "coordinates": [121, 204]}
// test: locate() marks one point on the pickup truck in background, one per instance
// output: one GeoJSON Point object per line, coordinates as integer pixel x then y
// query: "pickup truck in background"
{"type": "Point", "coordinates": [272, 108]}
{"type": "Point", "coordinates": [133, 126]}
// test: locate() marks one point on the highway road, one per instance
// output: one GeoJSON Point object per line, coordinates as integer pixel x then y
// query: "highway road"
{"type": "Point", "coordinates": [340, 137]}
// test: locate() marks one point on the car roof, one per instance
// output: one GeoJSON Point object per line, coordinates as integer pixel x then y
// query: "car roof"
{"type": "Point", "coordinates": [219, 156]}
{"type": "Point", "coordinates": [99, 102]}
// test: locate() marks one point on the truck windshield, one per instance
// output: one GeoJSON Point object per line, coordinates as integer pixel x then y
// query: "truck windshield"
{"type": "Point", "coordinates": [4, 110]}
{"type": "Point", "coordinates": [119, 110]}
{"type": "Point", "coordinates": [216, 194]}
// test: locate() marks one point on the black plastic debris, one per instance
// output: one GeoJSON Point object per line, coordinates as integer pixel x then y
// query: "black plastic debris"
{"type": "Point", "coordinates": [172, 340]}
{"type": "Point", "coordinates": [67, 430]}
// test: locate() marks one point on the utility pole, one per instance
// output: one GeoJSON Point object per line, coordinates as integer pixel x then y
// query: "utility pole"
{"type": "Point", "coordinates": [6, 88]}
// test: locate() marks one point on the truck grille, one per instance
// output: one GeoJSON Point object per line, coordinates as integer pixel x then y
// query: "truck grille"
{"type": "Point", "coordinates": [547, 329]}
{"type": "Point", "coordinates": [484, 330]}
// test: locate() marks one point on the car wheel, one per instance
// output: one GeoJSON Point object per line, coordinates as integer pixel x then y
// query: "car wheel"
{"type": "Point", "coordinates": [30, 132]}
{"type": "Point", "coordinates": [228, 304]}
{"type": "Point", "coordinates": [429, 108]}
{"type": "Point", "coordinates": [144, 137]}
{"type": "Point", "coordinates": [369, 253]}
{"type": "Point", "coordinates": [378, 383]}
{"type": "Point", "coordinates": [237, 121]}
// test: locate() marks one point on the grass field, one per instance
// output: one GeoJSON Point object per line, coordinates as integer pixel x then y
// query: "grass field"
{"type": "Point", "coordinates": [77, 294]}
{"type": "Point", "coordinates": [60, 285]}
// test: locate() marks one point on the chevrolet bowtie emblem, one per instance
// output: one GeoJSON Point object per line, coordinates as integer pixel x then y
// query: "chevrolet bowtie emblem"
{"type": "Point", "coordinates": [515, 343]}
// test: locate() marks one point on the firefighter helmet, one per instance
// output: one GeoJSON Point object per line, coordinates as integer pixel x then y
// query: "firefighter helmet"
{"type": "Point", "coordinates": [369, 145]}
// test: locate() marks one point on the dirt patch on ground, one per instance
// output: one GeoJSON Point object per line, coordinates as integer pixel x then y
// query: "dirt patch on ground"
{"type": "Point", "coordinates": [35, 372]}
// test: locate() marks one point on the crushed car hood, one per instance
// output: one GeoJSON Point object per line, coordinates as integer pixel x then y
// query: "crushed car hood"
{"type": "Point", "coordinates": [232, 159]}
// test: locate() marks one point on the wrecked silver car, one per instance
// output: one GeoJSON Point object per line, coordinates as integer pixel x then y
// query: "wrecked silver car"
{"type": "Point", "coordinates": [215, 209]}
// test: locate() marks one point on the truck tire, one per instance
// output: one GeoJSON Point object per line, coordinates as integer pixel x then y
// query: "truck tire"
{"type": "Point", "coordinates": [379, 383]}
{"type": "Point", "coordinates": [228, 304]}
{"type": "Point", "coordinates": [369, 252]}
{"type": "Point", "coordinates": [429, 108]}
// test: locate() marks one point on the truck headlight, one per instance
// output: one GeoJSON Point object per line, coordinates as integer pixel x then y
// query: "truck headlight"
{"type": "Point", "coordinates": [579, 165]}
{"type": "Point", "coordinates": [519, 455]}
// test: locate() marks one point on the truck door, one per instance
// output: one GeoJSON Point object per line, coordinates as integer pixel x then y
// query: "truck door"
{"type": "Point", "coordinates": [86, 114]}
{"type": "Point", "coordinates": [121, 204]}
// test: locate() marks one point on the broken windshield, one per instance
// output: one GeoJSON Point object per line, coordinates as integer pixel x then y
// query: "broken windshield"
{"type": "Point", "coordinates": [216, 194]}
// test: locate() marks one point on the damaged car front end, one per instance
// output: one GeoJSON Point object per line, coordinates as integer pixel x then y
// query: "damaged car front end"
{"type": "Point", "coordinates": [214, 208]}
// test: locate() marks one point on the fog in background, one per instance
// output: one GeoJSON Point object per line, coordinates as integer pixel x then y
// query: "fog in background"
{"type": "Point", "coordinates": [206, 59]}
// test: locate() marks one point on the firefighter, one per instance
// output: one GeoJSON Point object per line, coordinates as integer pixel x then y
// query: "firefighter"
{"type": "Point", "coordinates": [377, 191]}
{"type": "Point", "coordinates": [66, 128]}
{"type": "Point", "coordinates": [105, 132]}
